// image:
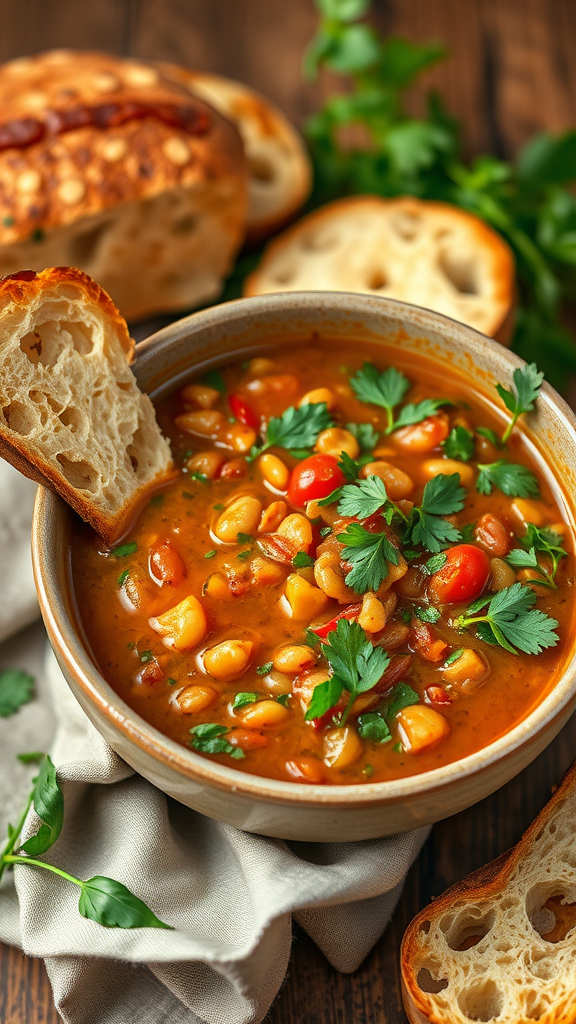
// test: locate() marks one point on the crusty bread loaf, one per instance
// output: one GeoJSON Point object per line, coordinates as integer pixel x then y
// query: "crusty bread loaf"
{"type": "Point", "coordinates": [501, 945]}
{"type": "Point", "coordinates": [279, 169]}
{"type": "Point", "coordinates": [427, 253]}
{"type": "Point", "coordinates": [71, 414]}
{"type": "Point", "coordinates": [109, 166]}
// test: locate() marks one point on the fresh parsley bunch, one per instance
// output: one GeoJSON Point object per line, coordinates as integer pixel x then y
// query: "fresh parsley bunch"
{"type": "Point", "coordinates": [530, 202]}
{"type": "Point", "coordinates": [356, 664]}
{"type": "Point", "coordinates": [510, 620]}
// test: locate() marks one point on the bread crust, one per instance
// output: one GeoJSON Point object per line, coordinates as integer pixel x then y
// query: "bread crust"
{"type": "Point", "coordinates": [23, 295]}
{"type": "Point", "coordinates": [487, 244]}
{"type": "Point", "coordinates": [280, 172]}
{"type": "Point", "coordinates": [481, 886]}
{"type": "Point", "coordinates": [81, 172]}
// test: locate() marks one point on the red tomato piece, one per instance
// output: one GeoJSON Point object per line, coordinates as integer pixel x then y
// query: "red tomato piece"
{"type": "Point", "coordinates": [437, 695]}
{"type": "Point", "coordinates": [351, 612]}
{"type": "Point", "coordinates": [463, 576]}
{"type": "Point", "coordinates": [242, 411]}
{"type": "Point", "coordinates": [314, 478]}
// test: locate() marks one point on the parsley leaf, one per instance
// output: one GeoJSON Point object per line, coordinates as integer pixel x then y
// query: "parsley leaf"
{"type": "Point", "coordinates": [214, 379]}
{"type": "Point", "coordinates": [16, 689]}
{"type": "Point", "coordinates": [357, 665]}
{"type": "Point", "coordinates": [209, 739]}
{"type": "Point", "coordinates": [546, 541]}
{"type": "Point", "coordinates": [363, 499]}
{"type": "Point", "coordinates": [511, 621]}
{"type": "Point", "coordinates": [372, 726]}
{"type": "Point", "coordinates": [411, 414]}
{"type": "Point", "coordinates": [459, 444]}
{"type": "Point", "coordinates": [264, 669]}
{"type": "Point", "coordinates": [244, 698]}
{"type": "Point", "coordinates": [124, 549]}
{"type": "Point", "coordinates": [428, 614]}
{"type": "Point", "coordinates": [512, 479]}
{"type": "Point", "coordinates": [301, 560]}
{"type": "Point", "coordinates": [402, 696]}
{"type": "Point", "coordinates": [296, 428]}
{"type": "Point", "coordinates": [442, 496]}
{"type": "Point", "coordinates": [49, 806]}
{"type": "Point", "coordinates": [365, 434]}
{"type": "Point", "coordinates": [527, 384]}
{"type": "Point", "coordinates": [453, 656]}
{"type": "Point", "coordinates": [490, 435]}
{"type": "Point", "coordinates": [375, 725]}
{"type": "Point", "coordinates": [368, 555]}
{"type": "Point", "coordinates": [324, 697]}
{"type": "Point", "coordinates": [436, 563]}
{"type": "Point", "coordinates": [386, 389]}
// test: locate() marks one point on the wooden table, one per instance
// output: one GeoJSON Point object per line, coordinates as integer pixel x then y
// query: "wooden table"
{"type": "Point", "coordinates": [511, 73]}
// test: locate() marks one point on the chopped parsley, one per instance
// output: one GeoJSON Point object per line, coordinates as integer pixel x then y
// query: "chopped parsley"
{"type": "Point", "coordinates": [283, 698]}
{"type": "Point", "coordinates": [387, 389]}
{"type": "Point", "coordinates": [365, 434]}
{"type": "Point", "coordinates": [244, 538]}
{"type": "Point", "coordinates": [301, 560]}
{"type": "Point", "coordinates": [211, 553]}
{"type": "Point", "coordinates": [454, 656]}
{"type": "Point", "coordinates": [512, 479]}
{"type": "Point", "coordinates": [544, 541]}
{"type": "Point", "coordinates": [123, 577]}
{"type": "Point", "coordinates": [244, 698]}
{"type": "Point", "coordinates": [429, 614]}
{"type": "Point", "coordinates": [214, 379]}
{"type": "Point", "coordinates": [368, 555]}
{"type": "Point", "coordinates": [295, 428]}
{"type": "Point", "coordinates": [459, 444]}
{"type": "Point", "coordinates": [146, 656]}
{"type": "Point", "coordinates": [357, 666]}
{"type": "Point", "coordinates": [200, 477]}
{"type": "Point", "coordinates": [510, 620]}
{"type": "Point", "coordinates": [527, 383]}
{"type": "Point", "coordinates": [209, 738]}
{"type": "Point", "coordinates": [375, 725]}
{"type": "Point", "coordinates": [443, 496]}
{"type": "Point", "coordinates": [263, 670]}
{"type": "Point", "coordinates": [124, 549]}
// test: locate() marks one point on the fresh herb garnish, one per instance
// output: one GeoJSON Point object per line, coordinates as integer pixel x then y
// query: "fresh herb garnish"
{"type": "Point", "coordinates": [124, 549]}
{"type": "Point", "coordinates": [325, 531]}
{"type": "Point", "coordinates": [402, 696]}
{"type": "Point", "coordinates": [244, 538]}
{"type": "Point", "coordinates": [459, 444]}
{"type": "Point", "coordinates": [157, 500]}
{"type": "Point", "coordinates": [511, 621]}
{"type": "Point", "coordinates": [365, 434]}
{"type": "Point", "coordinates": [375, 725]}
{"type": "Point", "coordinates": [301, 560]}
{"type": "Point", "coordinates": [32, 757]}
{"type": "Point", "coordinates": [514, 480]}
{"type": "Point", "coordinates": [387, 388]}
{"type": "Point", "coordinates": [103, 900]}
{"type": "Point", "coordinates": [16, 689]}
{"type": "Point", "coordinates": [263, 670]}
{"type": "Point", "coordinates": [146, 656]}
{"type": "Point", "coordinates": [295, 428]}
{"type": "Point", "coordinates": [443, 496]}
{"type": "Point", "coordinates": [467, 532]}
{"type": "Point", "coordinates": [435, 563]}
{"type": "Point", "coordinates": [368, 555]}
{"type": "Point", "coordinates": [214, 379]}
{"type": "Point", "coordinates": [244, 698]}
{"type": "Point", "coordinates": [200, 477]}
{"type": "Point", "coordinates": [428, 614]}
{"type": "Point", "coordinates": [219, 507]}
{"type": "Point", "coordinates": [283, 698]}
{"type": "Point", "coordinates": [454, 656]}
{"type": "Point", "coordinates": [545, 541]}
{"type": "Point", "coordinates": [123, 577]}
{"type": "Point", "coordinates": [357, 666]}
{"type": "Point", "coordinates": [490, 435]}
{"type": "Point", "coordinates": [527, 384]}
{"type": "Point", "coordinates": [372, 726]}
{"type": "Point", "coordinates": [209, 737]}
{"type": "Point", "coordinates": [243, 555]}
{"type": "Point", "coordinates": [363, 499]}
{"type": "Point", "coordinates": [211, 553]}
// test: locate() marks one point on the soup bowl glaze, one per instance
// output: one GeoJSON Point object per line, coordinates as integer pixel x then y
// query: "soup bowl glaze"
{"type": "Point", "coordinates": [288, 810]}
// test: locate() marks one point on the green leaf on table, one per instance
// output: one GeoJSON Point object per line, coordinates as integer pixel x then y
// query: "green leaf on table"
{"type": "Point", "coordinates": [49, 806]}
{"type": "Point", "coordinates": [16, 689]}
{"type": "Point", "coordinates": [112, 905]}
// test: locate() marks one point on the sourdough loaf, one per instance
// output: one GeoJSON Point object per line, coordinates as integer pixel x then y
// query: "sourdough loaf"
{"type": "Point", "coordinates": [427, 253]}
{"type": "Point", "coordinates": [279, 169]}
{"type": "Point", "coordinates": [107, 165]}
{"type": "Point", "coordinates": [501, 945]}
{"type": "Point", "coordinates": [71, 414]}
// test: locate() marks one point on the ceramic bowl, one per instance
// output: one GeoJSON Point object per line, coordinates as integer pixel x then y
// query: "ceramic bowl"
{"type": "Point", "coordinates": [284, 809]}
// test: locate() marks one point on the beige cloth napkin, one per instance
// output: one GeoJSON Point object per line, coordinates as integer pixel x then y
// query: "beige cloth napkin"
{"type": "Point", "coordinates": [230, 896]}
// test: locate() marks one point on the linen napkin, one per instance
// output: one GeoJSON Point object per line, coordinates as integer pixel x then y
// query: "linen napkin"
{"type": "Point", "coordinates": [230, 896]}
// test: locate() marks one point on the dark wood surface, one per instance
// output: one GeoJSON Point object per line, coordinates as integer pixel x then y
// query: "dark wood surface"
{"type": "Point", "coordinates": [511, 72]}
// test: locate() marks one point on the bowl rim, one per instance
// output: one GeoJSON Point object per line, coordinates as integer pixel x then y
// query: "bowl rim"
{"type": "Point", "coordinates": [73, 655]}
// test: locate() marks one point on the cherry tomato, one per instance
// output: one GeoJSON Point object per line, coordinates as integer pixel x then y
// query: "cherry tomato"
{"type": "Point", "coordinates": [463, 576]}
{"type": "Point", "coordinates": [242, 411]}
{"type": "Point", "coordinates": [313, 478]}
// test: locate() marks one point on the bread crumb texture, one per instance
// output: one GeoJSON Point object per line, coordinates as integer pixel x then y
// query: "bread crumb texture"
{"type": "Point", "coordinates": [427, 253]}
{"type": "Point", "coordinates": [501, 945]}
{"type": "Point", "coordinates": [132, 178]}
{"type": "Point", "coordinates": [71, 413]}
{"type": "Point", "coordinates": [279, 169]}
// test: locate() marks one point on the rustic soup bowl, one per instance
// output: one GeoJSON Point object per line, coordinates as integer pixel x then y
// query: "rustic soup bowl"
{"type": "Point", "coordinates": [284, 809]}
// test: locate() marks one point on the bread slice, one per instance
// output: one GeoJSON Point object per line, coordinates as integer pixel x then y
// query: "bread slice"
{"type": "Point", "coordinates": [71, 414]}
{"type": "Point", "coordinates": [108, 166]}
{"type": "Point", "coordinates": [427, 253]}
{"type": "Point", "coordinates": [279, 169]}
{"type": "Point", "coordinates": [501, 945]}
